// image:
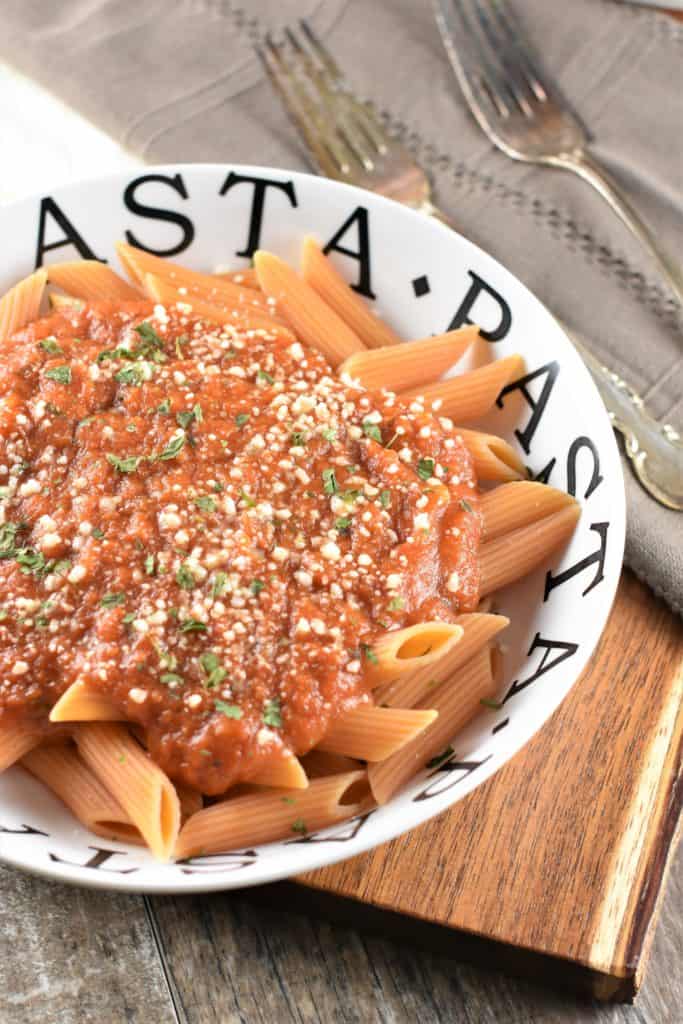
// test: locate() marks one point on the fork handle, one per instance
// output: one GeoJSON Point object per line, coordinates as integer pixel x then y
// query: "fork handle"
{"type": "Point", "coordinates": [587, 168]}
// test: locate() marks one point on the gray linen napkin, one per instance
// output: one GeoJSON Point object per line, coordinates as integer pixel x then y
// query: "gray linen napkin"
{"type": "Point", "coordinates": [177, 80]}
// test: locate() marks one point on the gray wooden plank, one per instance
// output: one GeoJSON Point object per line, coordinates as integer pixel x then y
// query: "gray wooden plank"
{"type": "Point", "coordinates": [233, 962]}
{"type": "Point", "coordinates": [77, 956]}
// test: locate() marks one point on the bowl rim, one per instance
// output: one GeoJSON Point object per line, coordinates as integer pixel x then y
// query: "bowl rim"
{"type": "Point", "coordinates": [312, 857]}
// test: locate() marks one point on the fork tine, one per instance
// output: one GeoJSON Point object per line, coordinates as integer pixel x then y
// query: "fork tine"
{"type": "Point", "coordinates": [483, 86]}
{"type": "Point", "coordinates": [367, 121]}
{"type": "Point", "coordinates": [516, 38]}
{"type": "Point", "coordinates": [331, 101]}
{"type": "Point", "coordinates": [290, 93]}
{"type": "Point", "coordinates": [506, 53]}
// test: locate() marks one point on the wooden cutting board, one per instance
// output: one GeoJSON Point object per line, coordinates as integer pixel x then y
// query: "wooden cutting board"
{"type": "Point", "coordinates": [554, 867]}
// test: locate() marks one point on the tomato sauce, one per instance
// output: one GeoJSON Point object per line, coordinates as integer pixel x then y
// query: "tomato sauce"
{"type": "Point", "coordinates": [211, 528]}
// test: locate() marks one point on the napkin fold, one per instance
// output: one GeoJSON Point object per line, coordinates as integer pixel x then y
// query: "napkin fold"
{"type": "Point", "coordinates": [178, 80]}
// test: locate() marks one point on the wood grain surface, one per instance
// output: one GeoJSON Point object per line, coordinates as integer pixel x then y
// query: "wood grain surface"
{"type": "Point", "coordinates": [563, 851]}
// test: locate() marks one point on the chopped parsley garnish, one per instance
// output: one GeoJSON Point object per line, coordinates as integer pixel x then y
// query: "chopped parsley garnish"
{"type": "Point", "coordinates": [150, 567]}
{"type": "Point", "coordinates": [62, 374]}
{"type": "Point", "coordinates": [350, 496]}
{"type": "Point", "coordinates": [50, 345]}
{"type": "Point", "coordinates": [206, 503]}
{"type": "Point", "coordinates": [30, 561]}
{"type": "Point", "coordinates": [289, 800]}
{"type": "Point", "coordinates": [112, 600]}
{"type": "Point", "coordinates": [465, 505]}
{"type": "Point", "coordinates": [184, 578]}
{"type": "Point", "coordinates": [271, 714]}
{"type": "Point", "coordinates": [495, 705]}
{"type": "Point", "coordinates": [133, 374]}
{"type": "Point", "coordinates": [172, 449]}
{"type": "Point", "coordinates": [129, 464]}
{"type": "Point", "coordinates": [214, 671]}
{"type": "Point", "coordinates": [330, 485]}
{"type": "Point", "coordinates": [298, 438]}
{"type": "Point", "coordinates": [372, 430]}
{"type": "Point", "coordinates": [97, 533]}
{"type": "Point", "coordinates": [343, 522]}
{"type": "Point", "coordinates": [181, 340]}
{"type": "Point", "coordinates": [193, 626]}
{"type": "Point", "coordinates": [171, 677]}
{"type": "Point", "coordinates": [150, 338]}
{"type": "Point", "coordinates": [329, 433]}
{"type": "Point", "coordinates": [300, 827]}
{"type": "Point", "coordinates": [262, 375]}
{"type": "Point", "coordinates": [193, 415]}
{"type": "Point", "coordinates": [219, 584]}
{"type": "Point", "coordinates": [440, 758]}
{"type": "Point", "coordinates": [242, 419]}
{"type": "Point", "coordinates": [385, 499]}
{"type": "Point", "coordinates": [248, 501]}
{"type": "Point", "coordinates": [164, 407]}
{"type": "Point", "coordinates": [396, 604]}
{"type": "Point", "coordinates": [8, 533]}
{"type": "Point", "coordinates": [368, 652]}
{"type": "Point", "coordinates": [128, 618]}
{"type": "Point", "coordinates": [256, 586]}
{"type": "Point", "coordinates": [229, 710]}
{"type": "Point", "coordinates": [425, 469]}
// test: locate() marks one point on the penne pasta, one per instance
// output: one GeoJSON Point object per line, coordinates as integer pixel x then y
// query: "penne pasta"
{"type": "Point", "coordinates": [457, 701]}
{"type": "Point", "coordinates": [244, 278]}
{"type": "Point", "coordinates": [412, 364]}
{"type": "Point", "coordinates": [61, 769]}
{"type": "Point", "coordinates": [494, 458]}
{"type": "Point", "coordinates": [372, 733]}
{"type": "Point", "coordinates": [128, 773]}
{"type": "Point", "coordinates": [16, 739]}
{"type": "Point", "coordinates": [162, 290]}
{"type": "Point", "coordinates": [58, 301]}
{"type": "Point", "coordinates": [403, 650]}
{"type": "Point", "coordinates": [286, 772]}
{"type": "Point", "coordinates": [190, 800]}
{"type": "Point", "coordinates": [321, 275]}
{"type": "Point", "coordinates": [83, 703]}
{"type": "Point", "coordinates": [21, 304]}
{"type": "Point", "coordinates": [313, 321]}
{"type": "Point", "coordinates": [319, 762]}
{"type": "Point", "coordinates": [411, 688]}
{"type": "Point", "coordinates": [513, 505]}
{"type": "Point", "coordinates": [91, 280]}
{"type": "Point", "coordinates": [263, 818]}
{"type": "Point", "coordinates": [513, 555]}
{"type": "Point", "coordinates": [469, 395]}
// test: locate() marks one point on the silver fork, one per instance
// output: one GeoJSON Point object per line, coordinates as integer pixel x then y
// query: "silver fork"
{"type": "Point", "coordinates": [523, 113]}
{"type": "Point", "coordinates": [345, 140]}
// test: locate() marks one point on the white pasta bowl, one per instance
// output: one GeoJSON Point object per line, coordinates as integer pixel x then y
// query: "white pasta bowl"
{"type": "Point", "coordinates": [425, 278]}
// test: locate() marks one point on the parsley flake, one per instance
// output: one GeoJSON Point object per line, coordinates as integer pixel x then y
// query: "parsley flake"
{"type": "Point", "coordinates": [219, 584]}
{"type": "Point", "coordinates": [193, 626]}
{"type": "Point", "coordinates": [129, 464]}
{"type": "Point", "coordinates": [242, 419]}
{"type": "Point", "coordinates": [173, 448]}
{"type": "Point", "coordinates": [164, 407]}
{"type": "Point", "coordinates": [150, 568]}
{"type": "Point", "coordinates": [171, 677]}
{"type": "Point", "coordinates": [50, 345]}
{"type": "Point", "coordinates": [262, 375]}
{"type": "Point", "coordinates": [440, 758]}
{"type": "Point", "coordinates": [97, 533]}
{"type": "Point", "coordinates": [300, 827]}
{"type": "Point", "coordinates": [256, 586]}
{"type": "Point", "coordinates": [343, 522]}
{"type": "Point", "coordinates": [229, 710]}
{"type": "Point", "coordinates": [149, 336]}
{"type": "Point", "coordinates": [298, 438]}
{"type": "Point", "coordinates": [385, 499]}
{"type": "Point", "coordinates": [184, 578]}
{"type": "Point", "coordinates": [396, 604]}
{"type": "Point", "coordinates": [368, 652]}
{"type": "Point", "coordinates": [195, 414]}
{"type": "Point", "coordinates": [329, 433]}
{"type": "Point", "coordinates": [248, 501]}
{"type": "Point", "coordinates": [215, 673]}
{"type": "Point", "coordinates": [425, 469]}
{"type": "Point", "coordinates": [372, 430]}
{"type": "Point", "coordinates": [112, 600]}
{"type": "Point", "coordinates": [330, 485]}
{"type": "Point", "coordinates": [465, 505]}
{"type": "Point", "coordinates": [495, 705]}
{"type": "Point", "coordinates": [271, 714]}
{"type": "Point", "coordinates": [62, 374]}
{"type": "Point", "coordinates": [206, 503]}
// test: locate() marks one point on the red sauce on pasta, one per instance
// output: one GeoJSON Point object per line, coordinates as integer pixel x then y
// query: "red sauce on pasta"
{"type": "Point", "coordinates": [211, 528]}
